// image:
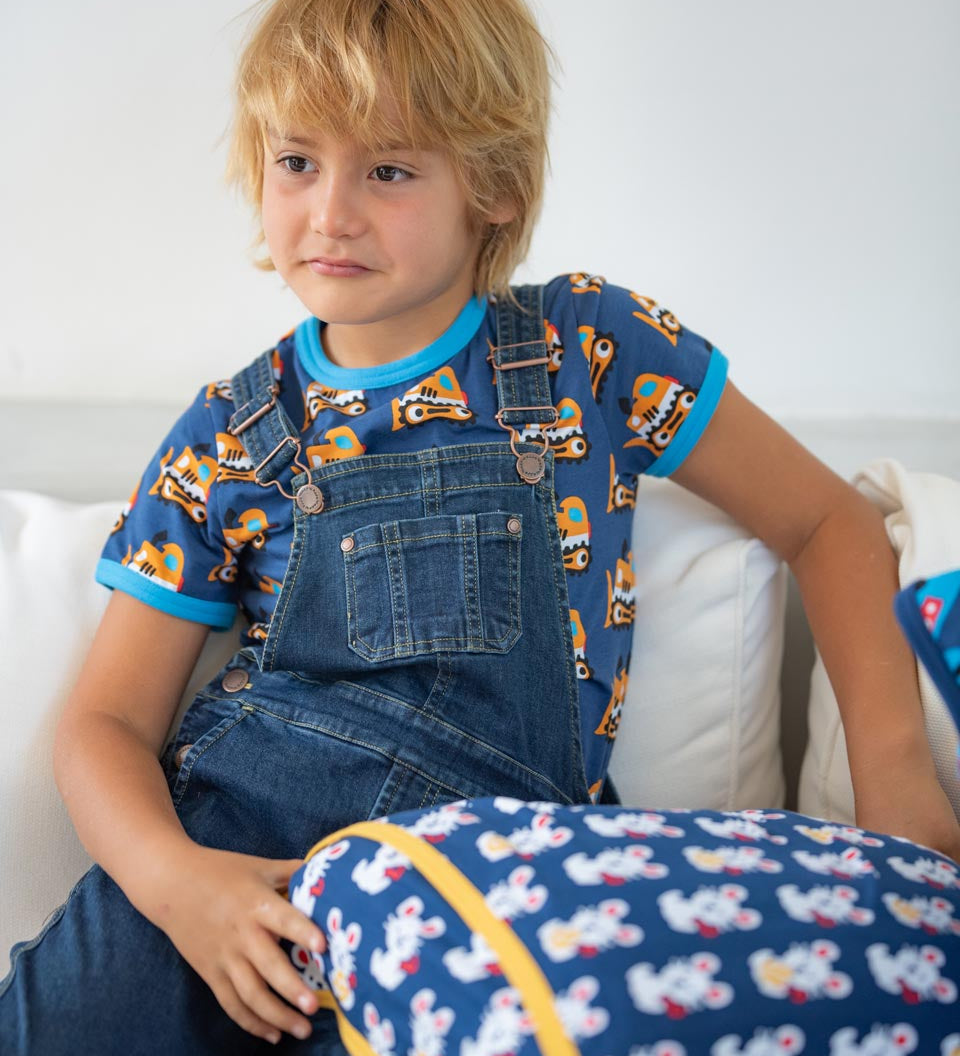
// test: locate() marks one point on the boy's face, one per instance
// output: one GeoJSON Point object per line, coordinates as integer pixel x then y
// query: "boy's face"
{"type": "Point", "coordinates": [379, 241]}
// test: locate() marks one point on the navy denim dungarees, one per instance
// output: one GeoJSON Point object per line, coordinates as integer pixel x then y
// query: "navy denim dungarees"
{"type": "Point", "coordinates": [420, 652]}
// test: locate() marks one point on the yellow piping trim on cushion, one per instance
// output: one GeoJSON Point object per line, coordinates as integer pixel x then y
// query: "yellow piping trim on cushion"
{"type": "Point", "coordinates": [355, 1042]}
{"type": "Point", "coordinates": [519, 968]}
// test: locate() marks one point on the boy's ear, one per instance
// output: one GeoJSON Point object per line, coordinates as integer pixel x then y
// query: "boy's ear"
{"type": "Point", "coordinates": [502, 213]}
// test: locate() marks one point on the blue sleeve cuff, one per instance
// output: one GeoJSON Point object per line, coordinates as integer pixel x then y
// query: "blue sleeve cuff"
{"type": "Point", "coordinates": [215, 614]}
{"type": "Point", "coordinates": [700, 414]}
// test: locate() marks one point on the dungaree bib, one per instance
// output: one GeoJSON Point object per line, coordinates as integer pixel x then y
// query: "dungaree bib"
{"type": "Point", "coordinates": [420, 652]}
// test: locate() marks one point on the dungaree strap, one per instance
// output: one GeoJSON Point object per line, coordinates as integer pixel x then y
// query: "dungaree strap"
{"type": "Point", "coordinates": [521, 339]}
{"type": "Point", "coordinates": [269, 437]}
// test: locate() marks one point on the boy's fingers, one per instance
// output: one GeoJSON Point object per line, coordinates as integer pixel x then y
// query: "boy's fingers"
{"type": "Point", "coordinates": [264, 1004]}
{"type": "Point", "coordinates": [234, 1006]}
{"type": "Point", "coordinates": [274, 964]}
{"type": "Point", "coordinates": [282, 918]}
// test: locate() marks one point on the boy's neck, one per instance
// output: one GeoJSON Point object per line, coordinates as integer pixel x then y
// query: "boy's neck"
{"type": "Point", "coordinates": [356, 345]}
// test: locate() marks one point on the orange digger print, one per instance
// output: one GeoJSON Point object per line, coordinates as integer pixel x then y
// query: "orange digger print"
{"type": "Point", "coordinates": [259, 628]}
{"type": "Point", "coordinates": [186, 481]}
{"type": "Point", "coordinates": [227, 571]}
{"type": "Point", "coordinates": [621, 602]}
{"type": "Point", "coordinates": [600, 350]}
{"type": "Point", "coordinates": [579, 645]}
{"type": "Point", "coordinates": [233, 462]}
{"type": "Point", "coordinates": [581, 282]}
{"type": "Point", "coordinates": [574, 527]}
{"type": "Point", "coordinates": [159, 561]}
{"type": "Point", "coordinates": [437, 396]}
{"type": "Point", "coordinates": [340, 442]}
{"type": "Point", "coordinates": [566, 439]}
{"type": "Point", "coordinates": [320, 398]}
{"type": "Point", "coordinates": [276, 361]}
{"type": "Point", "coordinates": [268, 585]}
{"type": "Point", "coordinates": [661, 319]}
{"type": "Point", "coordinates": [610, 722]}
{"type": "Point", "coordinates": [250, 527]}
{"type": "Point", "coordinates": [660, 406]}
{"type": "Point", "coordinates": [620, 497]}
{"type": "Point", "coordinates": [218, 390]}
{"type": "Point", "coordinates": [551, 336]}
{"type": "Point", "coordinates": [126, 511]}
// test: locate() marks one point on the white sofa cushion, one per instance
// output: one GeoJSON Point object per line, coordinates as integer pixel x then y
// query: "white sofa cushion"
{"type": "Point", "coordinates": [50, 606]}
{"type": "Point", "coordinates": [921, 511]}
{"type": "Point", "coordinates": [701, 719]}
{"type": "Point", "coordinates": [49, 609]}
{"type": "Point", "coordinates": [700, 724]}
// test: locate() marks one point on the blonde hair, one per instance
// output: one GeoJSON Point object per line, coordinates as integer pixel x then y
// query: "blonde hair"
{"type": "Point", "coordinates": [468, 77]}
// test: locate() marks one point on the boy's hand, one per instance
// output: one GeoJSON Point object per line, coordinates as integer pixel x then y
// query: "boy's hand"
{"type": "Point", "coordinates": [225, 916]}
{"type": "Point", "coordinates": [905, 799]}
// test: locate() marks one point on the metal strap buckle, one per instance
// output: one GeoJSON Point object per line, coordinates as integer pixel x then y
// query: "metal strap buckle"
{"type": "Point", "coordinates": [274, 391]}
{"type": "Point", "coordinates": [530, 464]}
{"type": "Point", "coordinates": [552, 424]}
{"type": "Point", "coordinates": [520, 362]}
{"type": "Point", "coordinates": [296, 462]}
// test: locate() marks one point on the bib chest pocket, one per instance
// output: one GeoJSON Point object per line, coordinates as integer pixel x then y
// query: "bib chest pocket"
{"type": "Point", "coordinates": [433, 585]}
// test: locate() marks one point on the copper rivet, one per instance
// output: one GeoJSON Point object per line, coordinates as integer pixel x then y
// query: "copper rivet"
{"type": "Point", "coordinates": [346, 545]}
{"type": "Point", "coordinates": [513, 525]}
{"type": "Point", "coordinates": [181, 755]}
{"type": "Point", "coordinates": [310, 498]}
{"type": "Point", "coordinates": [235, 679]}
{"type": "Point", "coordinates": [530, 467]}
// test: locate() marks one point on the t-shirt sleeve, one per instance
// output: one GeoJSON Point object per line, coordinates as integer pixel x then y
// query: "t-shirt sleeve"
{"type": "Point", "coordinates": [167, 548]}
{"type": "Point", "coordinates": [656, 383]}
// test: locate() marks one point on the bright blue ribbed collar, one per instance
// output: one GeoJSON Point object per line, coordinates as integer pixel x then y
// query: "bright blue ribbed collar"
{"type": "Point", "coordinates": [457, 335]}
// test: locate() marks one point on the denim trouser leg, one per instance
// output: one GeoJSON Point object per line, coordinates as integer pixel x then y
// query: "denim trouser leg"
{"type": "Point", "coordinates": [102, 980]}
{"type": "Point", "coordinates": [104, 976]}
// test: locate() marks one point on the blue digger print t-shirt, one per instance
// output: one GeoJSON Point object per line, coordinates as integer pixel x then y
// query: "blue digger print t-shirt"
{"type": "Point", "coordinates": [633, 389]}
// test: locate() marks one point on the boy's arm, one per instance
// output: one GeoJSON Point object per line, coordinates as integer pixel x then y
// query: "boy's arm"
{"type": "Point", "coordinates": [221, 910]}
{"type": "Point", "coordinates": [836, 545]}
{"type": "Point", "coordinates": [110, 733]}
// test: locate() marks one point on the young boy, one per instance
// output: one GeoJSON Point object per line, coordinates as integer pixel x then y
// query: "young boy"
{"type": "Point", "coordinates": [413, 498]}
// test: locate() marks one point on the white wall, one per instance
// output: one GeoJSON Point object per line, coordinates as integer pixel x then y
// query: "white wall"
{"type": "Point", "coordinates": [783, 175]}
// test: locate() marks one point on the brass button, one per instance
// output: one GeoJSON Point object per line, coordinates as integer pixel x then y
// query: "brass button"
{"type": "Point", "coordinates": [513, 525]}
{"type": "Point", "coordinates": [234, 680]}
{"type": "Point", "coordinates": [181, 755]}
{"type": "Point", "coordinates": [310, 498]}
{"type": "Point", "coordinates": [346, 545]}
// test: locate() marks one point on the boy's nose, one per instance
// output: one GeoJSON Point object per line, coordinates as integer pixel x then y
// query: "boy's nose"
{"type": "Point", "coordinates": [336, 212]}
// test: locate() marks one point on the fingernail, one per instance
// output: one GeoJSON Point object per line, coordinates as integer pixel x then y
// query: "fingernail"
{"type": "Point", "coordinates": [318, 944]}
{"type": "Point", "coordinates": [302, 1030]}
{"type": "Point", "coordinates": [305, 1001]}
{"type": "Point", "coordinates": [274, 1039]}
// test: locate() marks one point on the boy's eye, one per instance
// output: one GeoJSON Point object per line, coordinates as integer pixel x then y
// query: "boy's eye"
{"type": "Point", "coordinates": [293, 163]}
{"type": "Point", "coordinates": [390, 173]}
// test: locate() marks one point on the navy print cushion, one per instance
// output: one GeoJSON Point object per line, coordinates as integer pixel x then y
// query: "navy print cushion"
{"type": "Point", "coordinates": [494, 926]}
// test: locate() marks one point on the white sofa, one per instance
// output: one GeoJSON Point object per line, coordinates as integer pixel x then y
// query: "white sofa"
{"type": "Point", "coordinates": [719, 633]}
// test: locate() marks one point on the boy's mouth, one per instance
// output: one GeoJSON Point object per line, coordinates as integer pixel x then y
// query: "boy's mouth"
{"type": "Point", "coordinates": [336, 267]}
